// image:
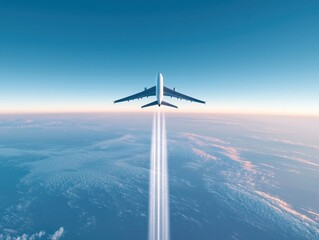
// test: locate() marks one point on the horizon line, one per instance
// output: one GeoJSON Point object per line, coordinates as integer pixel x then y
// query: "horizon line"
{"type": "Point", "coordinates": [246, 113]}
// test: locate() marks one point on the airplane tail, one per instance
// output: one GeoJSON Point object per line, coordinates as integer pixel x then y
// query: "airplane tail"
{"type": "Point", "coordinates": [150, 104]}
{"type": "Point", "coordinates": [162, 103]}
{"type": "Point", "coordinates": [169, 104]}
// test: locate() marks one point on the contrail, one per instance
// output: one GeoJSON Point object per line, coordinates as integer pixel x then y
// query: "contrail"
{"type": "Point", "coordinates": [158, 199]}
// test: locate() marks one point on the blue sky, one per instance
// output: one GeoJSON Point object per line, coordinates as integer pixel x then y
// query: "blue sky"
{"type": "Point", "coordinates": [239, 56]}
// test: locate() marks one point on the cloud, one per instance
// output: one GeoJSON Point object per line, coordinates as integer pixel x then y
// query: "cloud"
{"type": "Point", "coordinates": [287, 142]}
{"type": "Point", "coordinates": [223, 147]}
{"type": "Point", "coordinates": [92, 169]}
{"type": "Point", "coordinates": [233, 154]}
{"type": "Point", "coordinates": [256, 207]}
{"type": "Point", "coordinates": [240, 195]}
{"type": "Point", "coordinates": [203, 154]}
{"type": "Point", "coordinates": [58, 234]}
{"type": "Point", "coordinates": [35, 236]}
{"type": "Point", "coordinates": [297, 159]}
{"type": "Point", "coordinates": [38, 235]}
{"type": "Point", "coordinates": [284, 206]}
{"type": "Point", "coordinates": [119, 141]}
{"type": "Point", "coordinates": [316, 215]}
{"type": "Point", "coordinates": [203, 140]}
{"type": "Point", "coordinates": [289, 157]}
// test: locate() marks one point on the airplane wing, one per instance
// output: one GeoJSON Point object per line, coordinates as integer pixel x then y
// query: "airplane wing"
{"type": "Point", "coordinates": [145, 93]}
{"type": "Point", "coordinates": [172, 93]}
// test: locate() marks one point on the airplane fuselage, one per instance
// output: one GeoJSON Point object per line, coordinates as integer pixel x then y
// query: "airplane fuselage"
{"type": "Point", "coordinates": [159, 89]}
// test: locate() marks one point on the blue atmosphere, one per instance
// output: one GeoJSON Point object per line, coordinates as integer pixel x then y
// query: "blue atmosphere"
{"type": "Point", "coordinates": [76, 166]}
{"type": "Point", "coordinates": [239, 56]}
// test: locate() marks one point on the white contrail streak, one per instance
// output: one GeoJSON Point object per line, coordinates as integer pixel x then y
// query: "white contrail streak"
{"type": "Point", "coordinates": [158, 199]}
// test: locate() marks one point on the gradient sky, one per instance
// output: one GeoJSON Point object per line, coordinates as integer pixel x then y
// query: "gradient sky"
{"type": "Point", "coordinates": [239, 56]}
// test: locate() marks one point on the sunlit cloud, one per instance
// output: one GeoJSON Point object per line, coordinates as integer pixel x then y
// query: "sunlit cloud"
{"type": "Point", "coordinates": [204, 155]}
{"type": "Point", "coordinates": [284, 206]}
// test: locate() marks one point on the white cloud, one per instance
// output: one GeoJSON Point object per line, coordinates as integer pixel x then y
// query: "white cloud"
{"type": "Point", "coordinates": [38, 235]}
{"type": "Point", "coordinates": [58, 234]}
{"type": "Point", "coordinates": [35, 236]}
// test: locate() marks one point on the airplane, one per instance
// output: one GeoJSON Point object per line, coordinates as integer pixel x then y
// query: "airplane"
{"type": "Point", "coordinates": [159, 91]}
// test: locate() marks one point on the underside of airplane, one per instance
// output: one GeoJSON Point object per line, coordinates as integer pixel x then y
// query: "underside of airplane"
{"type": "Point", "coordinates": [159, 91]}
